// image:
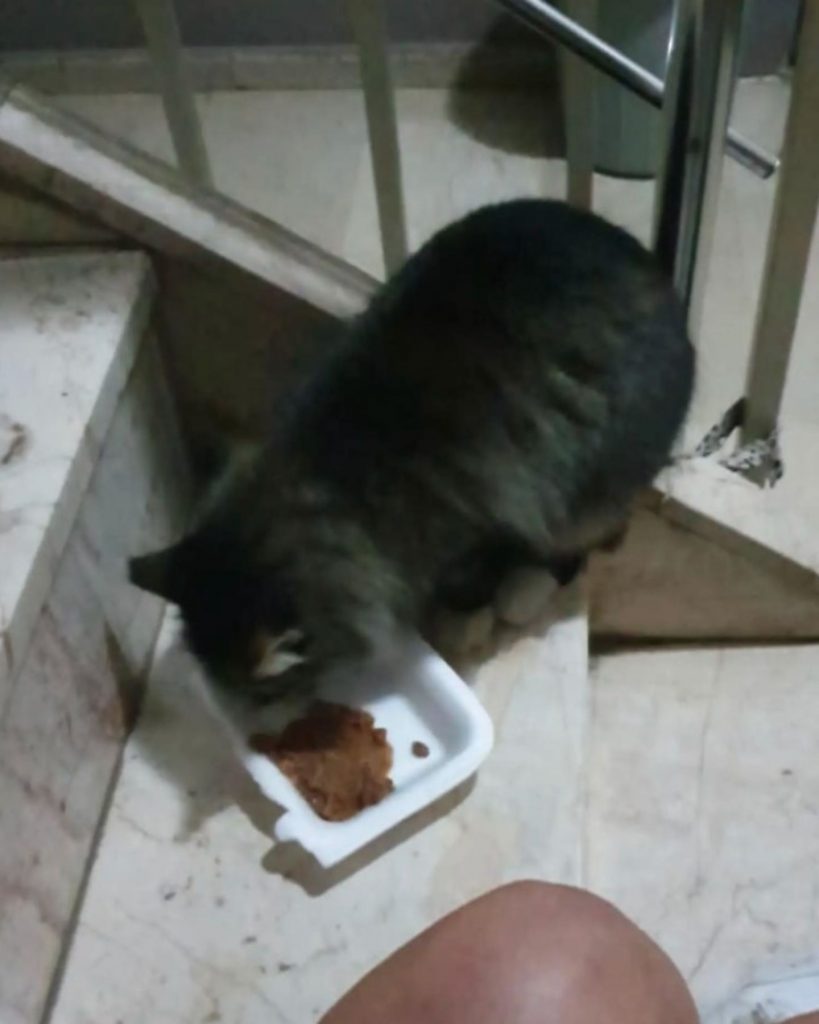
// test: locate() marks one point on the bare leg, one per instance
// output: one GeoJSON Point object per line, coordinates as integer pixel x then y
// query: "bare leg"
{"type": "Point", "coordinates": [529, 953]}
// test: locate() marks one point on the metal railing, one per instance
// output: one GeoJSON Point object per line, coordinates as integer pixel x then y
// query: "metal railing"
{"type": "Point", "coordinates": [789, 241]}
{"type": "Point", "coordinates": [695, 99]}
{"type": "Point", "coordinates": [550, 21]}
{"type": "Point", "coordinates": [161, 28]}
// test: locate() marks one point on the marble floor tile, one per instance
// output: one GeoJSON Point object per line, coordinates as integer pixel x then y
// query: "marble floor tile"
{"type": "Point", "coordinates": [191, 915]}
{"type": "Point", "coordinates": [292, 156]}
{"type": "Point", "coordinates": [690, 805]}
{"type": "Point", "coordinates": [448, 170]}
{"type": "Point", "coordinates": [702, 815]}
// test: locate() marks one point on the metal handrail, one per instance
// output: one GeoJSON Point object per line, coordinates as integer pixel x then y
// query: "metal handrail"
{"type": "Point", "coordinates": [549, 21]}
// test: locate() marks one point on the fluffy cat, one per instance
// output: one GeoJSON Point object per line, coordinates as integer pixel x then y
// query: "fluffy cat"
{"type": "Point", "coordinates": [501, 401]}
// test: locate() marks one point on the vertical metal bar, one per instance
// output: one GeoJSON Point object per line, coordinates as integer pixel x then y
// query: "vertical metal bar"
{"type": "Point", "coordinates": [161, 30]}
{"type": "Point", "coordinates": [697, 104]}
{"type": "Point", "coordinates": [789, 241]}
{"type": "Point", "coordinates": [578, 113]}
{"type": "Point", "coordinates": [369, 27]}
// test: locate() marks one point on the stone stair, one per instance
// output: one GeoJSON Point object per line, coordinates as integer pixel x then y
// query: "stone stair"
{"type": "Point", "coordinates": [90, 469]}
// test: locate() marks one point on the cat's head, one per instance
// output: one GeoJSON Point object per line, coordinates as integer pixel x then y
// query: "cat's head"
{"type": "Point", "coordinates": [241, 621]}
{"type": "Point", "coordinates": [262, 622]}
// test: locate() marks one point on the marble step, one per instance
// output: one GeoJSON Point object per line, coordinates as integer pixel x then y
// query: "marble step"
{"type": "Point", "coordinates": [192, 914]}
{"type": "Point", "coordinates": [710, 556]}
{"type": "Point", "coordinates": [90, 470]}
{"type": "Point", "coordinates": [71, 329]}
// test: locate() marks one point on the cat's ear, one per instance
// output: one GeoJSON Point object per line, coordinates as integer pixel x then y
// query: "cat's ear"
{"type": "Point", "coordinates": [279, 653]}
{"type": "Point", "coordinates": [158, 573]}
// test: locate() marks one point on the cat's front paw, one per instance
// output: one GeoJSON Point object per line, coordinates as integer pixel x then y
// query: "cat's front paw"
{"type": "Point", "coordinates": [462, 636]}
{"type": "Point", "coordinates": [524, 596]}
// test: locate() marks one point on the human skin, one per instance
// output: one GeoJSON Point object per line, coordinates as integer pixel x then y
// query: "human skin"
{"type": "Point", "coordinates": [528, 953]}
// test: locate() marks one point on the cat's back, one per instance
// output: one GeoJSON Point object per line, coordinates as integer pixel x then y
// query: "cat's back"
{"type": "Point", "coordinates": [522, 251]}
{"type": "Point", "coordinates": [530, 319]}
{"type": "Point", "coordinates": [543, 230]}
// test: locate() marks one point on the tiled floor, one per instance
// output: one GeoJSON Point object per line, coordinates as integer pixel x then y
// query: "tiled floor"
{"type": "Point", "coordinates": [698, 775]}
{"type": "Point", "coordinates": [703, 817]}
{"type": "Point", "coordinates": [193, 915]}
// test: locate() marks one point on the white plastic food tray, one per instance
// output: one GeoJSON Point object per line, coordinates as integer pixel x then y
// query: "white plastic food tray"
{"type": "Point", "coordinates": [416, 697]}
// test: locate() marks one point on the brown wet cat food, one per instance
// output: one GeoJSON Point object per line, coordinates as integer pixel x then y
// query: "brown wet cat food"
{"type": "Point", "coordinates": [420, 749]}
{"type": "Point", "coordinates": [336, 758]}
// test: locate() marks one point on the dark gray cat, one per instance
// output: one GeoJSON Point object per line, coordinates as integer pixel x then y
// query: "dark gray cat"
{"type": "Point", "coordinates": [502, 401]}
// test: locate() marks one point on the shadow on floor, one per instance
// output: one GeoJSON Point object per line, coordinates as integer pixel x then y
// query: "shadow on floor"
{"type": "Point", "coordinates": [290, 861]}
{"type": "Point", "coordinates": [181, 738]}
{"type": "Point", "coordinates": [520, 115]}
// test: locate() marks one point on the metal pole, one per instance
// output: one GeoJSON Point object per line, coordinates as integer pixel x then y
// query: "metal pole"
{"type": "Point", "coordinates": [367, 19]}
{"type": "Point", "coordinates": [161, 30]}
{"type": "Point", "coordinates": [549, 21]}
{"type": "Point", "coordinates": [789, 241]}
{"type": "Point", "coordinates": [578, 108]}
{"type": "Point", "coordinates": [700, 88]}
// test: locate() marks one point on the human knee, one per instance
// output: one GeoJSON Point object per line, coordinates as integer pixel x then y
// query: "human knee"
{"type": "Point", "coordinates": [529, 952]}
{"type": "Point", "coordinates": [484, 962]}
{"type": "Point", "coordinates": [577, 954]}
{"type": "Point", "coordinates": [536, 933]}
{"type": "Point", "coordinates": [556, 910]}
